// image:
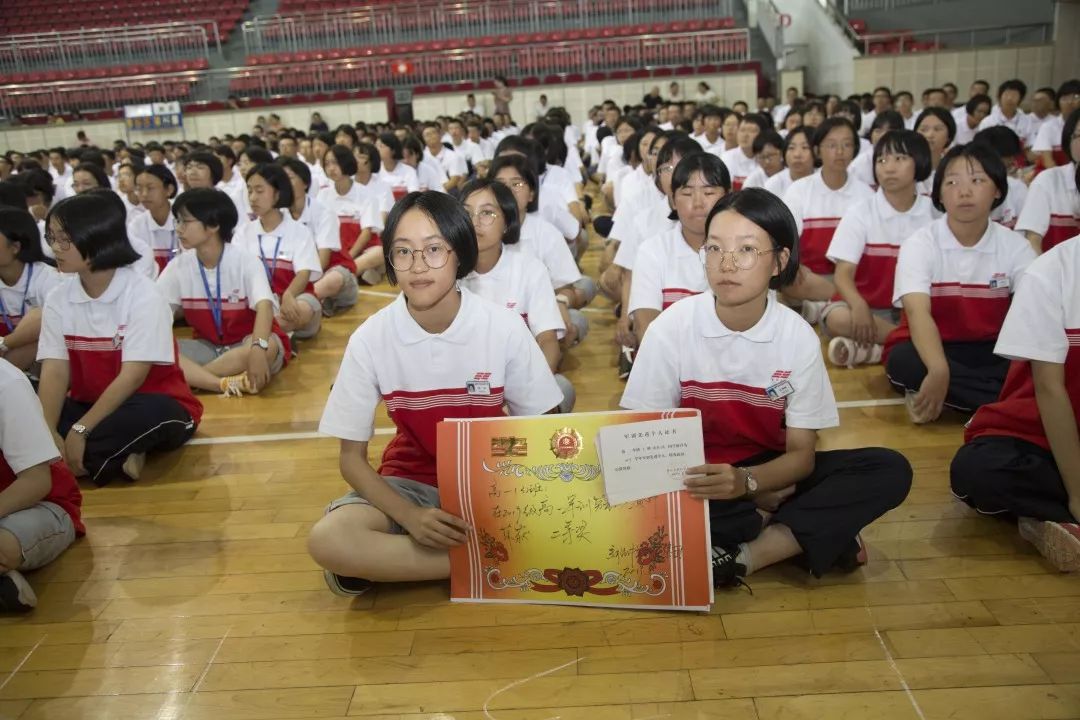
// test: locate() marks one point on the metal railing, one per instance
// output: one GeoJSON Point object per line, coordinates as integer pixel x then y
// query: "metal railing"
{"type": "Point", "coordinates": [446, 19]}
{"type": "Point", "coordinates": [368, 74]}
{"type": "Point", "coordinates": [858, 6]}
{"type": "Point", "coordinates": [956, 38]}
{"type": "Point", "coordinates": [109, 46]}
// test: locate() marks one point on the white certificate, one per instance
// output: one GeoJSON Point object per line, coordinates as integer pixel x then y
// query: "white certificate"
{"type": "Point", "coordinates": [644, 459]}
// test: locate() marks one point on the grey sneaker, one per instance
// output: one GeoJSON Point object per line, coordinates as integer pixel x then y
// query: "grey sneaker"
{"type": "Point", "coordinates": [346, 586]}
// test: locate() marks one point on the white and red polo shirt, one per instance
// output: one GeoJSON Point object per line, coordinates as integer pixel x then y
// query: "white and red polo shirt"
{"type": "Point", "coordinates": [817, 211]}
{"type": "Point", "coordinates": [129, 322]}
{"type": "Point", "coordinates": [870, 235]}
{"type": "Point", "coordinates": [969, 287]}
{"type": "Point", "coordinates": [540, 239]}
{"type": "Point", "coordinates": [1043, 324]}
{"type": "Point", "coordinates": [161, 239]}
{"type": "Point", "coordinates": [666, 270]}
{"type": "Point", "coordinates": [519, 282]}
{"type": "Point", "coordinates": [29, 291]}
{"type": "Point", "coordinates": [356, 210]}
{"type": "Point", "coordinates": [739, 166]}
{"type": "Point", "coordinates": [284, 251]}
{"type": "Point", "coordinates": [243, 285]}
{"type": "Point", "coordinates": [485, 360]}
{"type": "Point", "coordinates": [749, 386]}
{"type": "Point", "coordinates": [1052, 206]}
{"type": "Point", "coordinates": [325, 227]}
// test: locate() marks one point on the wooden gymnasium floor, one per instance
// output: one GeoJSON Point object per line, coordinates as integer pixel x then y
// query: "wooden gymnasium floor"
{"type": "Point", "coordinates": [192, 598]}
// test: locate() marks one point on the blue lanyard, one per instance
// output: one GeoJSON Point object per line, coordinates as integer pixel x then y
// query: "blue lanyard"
{"type": "Point", "coordinates": [214, 301]}
{"type": "Point", "coordinates": [272, 268]}
{"type": "Point", "coordinates": [22, 311]}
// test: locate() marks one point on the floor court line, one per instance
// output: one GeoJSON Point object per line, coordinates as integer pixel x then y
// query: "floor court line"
{"type": "Point", "coordinates": [285, 437]}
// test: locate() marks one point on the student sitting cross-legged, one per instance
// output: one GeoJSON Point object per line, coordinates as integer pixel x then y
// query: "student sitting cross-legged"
{"type": "Point", "coordinates": [435, 352]}
{"type": "Point", "coordinates": [111, 388]}
{"type": "Point", "coordinates": [754, 369]}
{"type": "Point", "coordinates": [225, 298]}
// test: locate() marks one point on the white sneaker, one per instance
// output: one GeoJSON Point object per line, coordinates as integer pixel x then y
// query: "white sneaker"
{"type": "Point", "coordinates": [845, 352]}
{"type": "Point", "coordinates": [1058, 542]}
{"type": "Point", "coordinates": [16, 595]}
{"type": "Point", "coordinates": [134, 465]}
{"type": "Point", "coordinates": [812, 309]}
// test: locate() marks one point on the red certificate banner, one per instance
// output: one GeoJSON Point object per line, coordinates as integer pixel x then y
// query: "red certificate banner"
{"type": "Point", "coordinates": [532, 491]}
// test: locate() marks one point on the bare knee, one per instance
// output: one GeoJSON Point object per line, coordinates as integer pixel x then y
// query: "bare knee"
{"type": "Point", "coordinates": [10, 551]}
{"type": "Point", "coordinates": [342, 540]}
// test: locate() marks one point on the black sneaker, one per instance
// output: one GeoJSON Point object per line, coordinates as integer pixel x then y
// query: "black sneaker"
{"type": "Point", "coordinates": [726, 572]}
{"type": "Point", "coordinates": [16, 595]}
{"type": "Point", "coordinates": [347, 586]}
{"type": "Point", "coordinates": [626, 362]}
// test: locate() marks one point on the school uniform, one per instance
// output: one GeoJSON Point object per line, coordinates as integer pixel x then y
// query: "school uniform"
{"type": "Point", "coordinates": [236, 189]}
{"type": "Point", "coordinates": [402, 179]}
{"type": "Point", "coordinates": [49, 526]}
{"type": "Point", "coordinates": [1052, 206]}
{"type": "Point", "coordinates": [750, 387]}
{"type": "Point", "coordinates": [378, 192]}
{"type": "Point", "coordinates": [484, 361]}
{"type": "Point", "coordinates": [356, 211]}
{"type": "Point", "coordinates": [129, 322]}
{"type": "Point", "coordinates": [627, 185]}
{"type": "Point", "coordinates": [29, 291]}
{"type": "Point", "coordinates": [287, 250]}
{"type": "Point", "coordinates": [652, 221]}
{"type": "Point", "coordinates": [219, 303]}
{"type": "Point", "coordinates": [717, 148]}
{"type": "Point", "coordinates": [964, 132]}
{"type": "Point", "coordinates": [161, 239]}
{"type": "Point", "coordinates": [666, 270]}
{"type": "Point", "coordinates": [470, 152]}
{"type": "Point", "coordinates": [1048, 139]}
{"type": "Point", "coordinates": [970, 290]}
{"type": "Point", "coordinates": [325, 227]}
{"type": "Point", "coordinates": [739, 166]}
{"type": "Point", "coordinates": [540, 239]}
{"type": "Point", "coordinates": [862, 169]}
{"type": "Point", "coordinates": [870, 236]}
{"type": "Point", "coordinates": [1019, 123]}
{"type": "Point", "coordinates": [1008, 212]}
{"type": "Point", "coordinates": [626, 215]}
{"type": "Point", "coordinates": [779, 183]}
{"type": "Point", "coordinates": [130, 208]}
{"type": "Point", "coordinates": [817, 211]}
{"type": "Point", "coordinates": [755, 179]}
{"type": "Point", "coordinates": [1006, 465]}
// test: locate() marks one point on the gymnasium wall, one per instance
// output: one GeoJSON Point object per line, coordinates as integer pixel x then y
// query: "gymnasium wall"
{"type": "Point", "coordinates": [576, 98]}
{"type": "Point", "coordinates": [1034, 64]}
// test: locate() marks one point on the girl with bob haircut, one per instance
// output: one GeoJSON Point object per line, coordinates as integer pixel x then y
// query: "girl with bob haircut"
{"type": "Point", "coordinates": [515, 280]}
{"type": "Point", "coordinates": [89, 176]}
{"type": "Point", "coordinates": [667, 267]}
{"type": "Point", "coordinates": [798, 160]}
{"type": "Point", "coordinates": [954, 280]}
{"type": "Point", "coordinates": [754, 369]}
{"type": "Point", "coordinates": [866, 245]}
{"type": "Point", "coordinates": [768, 149]}
{"type": "Point", "coordinates": [111, 386]}
{"type": "Point", "coordinates": [224, 297]}
{"type": "Point", "coordinates": [389, 527]}
{"type": "Point", "coordinates": [286, 248]}
{"type": "Point", "coordinates": [154, 228]}
{"type": "Point", "coordinates": [25, 281]}
{"type": "Point", "coordinates": [400, 176]}
{"type": "Point", "coordinates": [359, 220]}
{"type": "Point", "coordinates": [938, 126]}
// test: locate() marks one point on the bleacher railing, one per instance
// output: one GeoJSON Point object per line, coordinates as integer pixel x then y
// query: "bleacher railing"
{"type": "Point", "coordinates": [445, 19]}
{"type": "Point", "coordinates": [955, 38]}
{"type": "Point", "coordinates": [109, 46]}
{"type": "Point", "coordinates": [628, 54]}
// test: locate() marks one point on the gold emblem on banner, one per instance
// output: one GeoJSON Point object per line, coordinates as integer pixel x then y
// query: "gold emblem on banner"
{"type": "Point", "coordinates": [566, 443]}
{"type": "Point", "coordinates": [509, 447]}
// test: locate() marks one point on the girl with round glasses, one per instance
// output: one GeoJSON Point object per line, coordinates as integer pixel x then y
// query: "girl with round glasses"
{"type": "Point", "coordinates": [754, 369]}
{"type": "Point", "coordinates": [438, 351]}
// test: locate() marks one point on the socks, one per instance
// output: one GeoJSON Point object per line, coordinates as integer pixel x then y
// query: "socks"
{"type": "Point", "coordinates": [743, 558]}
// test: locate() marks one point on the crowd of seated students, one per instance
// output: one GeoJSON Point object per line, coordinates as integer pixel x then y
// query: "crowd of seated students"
{"type": "Point", "coordinates": [935, 242]}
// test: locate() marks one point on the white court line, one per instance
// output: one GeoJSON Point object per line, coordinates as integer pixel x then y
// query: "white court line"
{"type": "Point", "coordinates": [279, 437]}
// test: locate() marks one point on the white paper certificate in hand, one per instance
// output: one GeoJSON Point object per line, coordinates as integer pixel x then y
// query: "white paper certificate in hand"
{"type": "Point", "coordinates": [644, 459]}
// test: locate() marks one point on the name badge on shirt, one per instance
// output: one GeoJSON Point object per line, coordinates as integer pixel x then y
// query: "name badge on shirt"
{"type": "Point", "coordinates": [780, 390]}
{"type": "Point", "coordinates": [478, 387]}
{"type": "Point", "coordinates": [234, 297]}
{"type": "Point", "coordinates": [999, 281]}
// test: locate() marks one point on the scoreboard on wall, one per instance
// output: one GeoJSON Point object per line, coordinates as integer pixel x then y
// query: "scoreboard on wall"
{"type": "Point", "coordinates": [153, 116]}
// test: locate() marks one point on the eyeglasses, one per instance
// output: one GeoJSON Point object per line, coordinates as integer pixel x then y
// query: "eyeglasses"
{"type": "Point", "coordinates": [769, 157]}
{"type": "Point", "coordinates": [514, 184]}
{"type": "Point", "coordinates": [834, 147]}
{"type": "Point", "coordinates": [484, 218]}
{"type": "Point", "coordinates": [57, 242]}
{"type": "Point", "coordinates": [665, 169]}
{"type": "Point", "coordinates": [744, 258]}
{"type": "Point", "coordinates": [402, 259]}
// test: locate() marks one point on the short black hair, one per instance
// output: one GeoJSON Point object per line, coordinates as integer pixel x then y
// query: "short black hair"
{"type": "Point", "coordinates": [19, 226]}
{"type": "Point", "coordinates": [348, 130]}
{"type": "Point", "coordinates": [710, 166]}
{"type": "Point", "coordinates": [100, 177]}
{"type": "Point", "coordinates": [944, 116]}
{"type": "Point", "coordinates": [258, 155]}
{"type": "Point", "coordinates": [756, 119]}
{"type": "Point", "coordinates": [448, 215]}
{"type": "Point", "coordinates": [1066, 89]}
{"type": "Point", "coordinates": [973, 153]}
{"type": "Point", "coordinates": [1001, 140]}
{"type": "Point", "coordinates": [975, 101]}
{"type": "Point", "coordinates": [830, 124]}
{"type": "Point", "coordinates": [13, 193]}
{"type": "Point", "coordinates": [525, 146]}
{"type": "Point", "coordinates": [679, 143]}
{"type": "Point", "coordinates": [905, 142]}
{"type": "Point", "coordinates": [212, 207]}
{"type": "Point", "coordinates": [207, 158]}
{"type": "Point", "coordinates": [96, 221]}
{"type": "Point", "coordinates": [1049, 92]}
{"type": "Point", "coordinates": [523, 168]}
{"type": "Point", "coordinates": [769, 213]}
{"type": "Point", "coordinates": [345, 159]}
{"type": "Point", "coordinates": [1017, 85]}
{"type": "Point", "coordinates": [888, 120]}
{"type": "Point", "coordinates": [768, 137]}
{"type": "Point", "coordinates": [853, 109]}
{"type": "Point", "coordinates": [504, 197]}
{"type": "Point", "coordinates": [59, 151]}
{"type": "Point", "coordinates": [224, 151]}
{"type": "Point", "coordinates": [92, 156]}
{"type": "Point", "coordinates": [391, 141]}
{"type": "Point", "coordinates": [163, 174]}
{"type": "Point", "coordinates": [298, 168]}
{"type": "Point", "coordinates": [37, 181]}
{"type": "Point", "coordinates": [374, 161]}
{"type": "Point", "coordinates": [277, 179]}
{"type": "Point", "coordinates": [1067, 132]}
